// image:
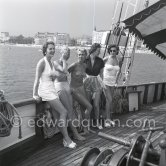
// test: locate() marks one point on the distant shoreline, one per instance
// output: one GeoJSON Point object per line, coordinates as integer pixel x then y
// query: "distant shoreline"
{"type": "Point", "coordinates": [71, 47]}
{"type": "Point", "coordinates": [20, 45]}
{"type": "Point", "coordinates": [39, 46]}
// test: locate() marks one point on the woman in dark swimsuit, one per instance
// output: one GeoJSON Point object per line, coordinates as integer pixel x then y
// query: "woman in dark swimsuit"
{"type": "Point", "coordinates": [77, 71]}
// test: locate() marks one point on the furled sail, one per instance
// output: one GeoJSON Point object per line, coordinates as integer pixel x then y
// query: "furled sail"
{"type": "Point", "coordinates": [150, 26]}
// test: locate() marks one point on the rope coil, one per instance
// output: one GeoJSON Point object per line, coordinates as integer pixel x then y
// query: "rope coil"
{"type": "Point", "coordinates": [7, 117]}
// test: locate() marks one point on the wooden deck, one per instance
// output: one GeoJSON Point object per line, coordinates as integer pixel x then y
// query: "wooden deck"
{"type": "Point", "coordinates": [52, 153]}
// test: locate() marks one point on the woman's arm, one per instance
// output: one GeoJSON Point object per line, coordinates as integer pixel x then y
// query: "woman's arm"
{"type": "Point", "coordinates": [105, 59]}
{"type": "Point", "coordinates": [120, 61]}
{"type": "Point", "coordinates": [119, 72]}
{"type": "Point", "coordinates": [117, 77]}
{"type": "Point", "coordinates": [39, 69]}
{"type": "Point", "coordinates": [71, 68]}
{"type": "Point", "coordinates": [101, 73]}
{"type": "Point", "coordinates": [102, 64]}
{"type": "Point", "coordinates": [62, 68]}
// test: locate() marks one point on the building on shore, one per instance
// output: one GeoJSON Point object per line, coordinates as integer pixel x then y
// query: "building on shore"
{"type": "Point", "coordinates": [41, 37]}
{"type": "Point", "coordinates": [62, 39]}
{"type": "Point", "coordinates": [59, 38]}
{"type": "Point", "coordinates": [51, 36]}
{"type": "Point", "coordinates": [4, 37]}
{"type": "Point", "coordinates": [100, 37]}
{"type": "Point", "coordinates": [84, 41]}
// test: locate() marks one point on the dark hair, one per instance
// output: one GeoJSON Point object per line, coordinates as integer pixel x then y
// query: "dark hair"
{"type": "Point", "coordinates": [85, 52]}
{"type": "Point", "coordinates": [94, 47]}
{"type": "Point", "coordinates": [45, 46]}
{"type": "Point", "coordinates": [112, 46]}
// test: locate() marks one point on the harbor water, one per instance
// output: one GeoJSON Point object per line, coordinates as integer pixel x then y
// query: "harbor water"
{"type": "Point", "coordinates": [17, 69]}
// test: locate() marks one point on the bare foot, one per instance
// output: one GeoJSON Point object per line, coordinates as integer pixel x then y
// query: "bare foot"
{"type": "Point", "coordinates": [79, 137]}
{"type": "Point", "coordinates": [92, 131]}
{"type": "Point", "coordinates": [85, 131]}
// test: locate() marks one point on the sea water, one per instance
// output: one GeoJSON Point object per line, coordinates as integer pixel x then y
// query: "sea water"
{"type": "Point", "coordinates": [18, 63]}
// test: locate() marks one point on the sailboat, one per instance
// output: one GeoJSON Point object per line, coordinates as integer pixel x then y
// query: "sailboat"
{"type": "Point", "coordinates": [31, 148]}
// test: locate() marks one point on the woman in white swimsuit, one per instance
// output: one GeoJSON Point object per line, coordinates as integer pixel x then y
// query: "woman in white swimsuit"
{"type": "Point", "coordinates": [44, 89]}
{"type": "Point", "coordinates": [110, 76]}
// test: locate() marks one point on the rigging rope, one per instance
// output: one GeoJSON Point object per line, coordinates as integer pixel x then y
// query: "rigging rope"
{"type": "Point", "coordinates": [130, 65]}
{"type": "Point", "coordinates": [115, 37]}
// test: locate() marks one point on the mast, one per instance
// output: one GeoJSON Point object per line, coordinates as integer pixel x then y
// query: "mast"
{"type": "Point", "coordinates": [118, 23]}
{"type": "Point", "coordinates": [120, 14]}
{"type": "Point", "coordinates": [115, 28]}
{"type": "Point", "coordinates": [94, 27]}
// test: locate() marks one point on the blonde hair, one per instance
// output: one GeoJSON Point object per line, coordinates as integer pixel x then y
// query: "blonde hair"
{"type": "Point", "coordinates": [82, 50]}
{"type": "Point", "coordinates": [65, 49]}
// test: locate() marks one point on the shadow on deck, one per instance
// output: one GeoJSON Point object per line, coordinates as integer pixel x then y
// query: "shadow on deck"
{"type": "Point", "coordinates": [51, 152]}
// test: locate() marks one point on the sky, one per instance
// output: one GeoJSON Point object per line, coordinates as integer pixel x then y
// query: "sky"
{"type": "Point", "coordinates": [76, 17]}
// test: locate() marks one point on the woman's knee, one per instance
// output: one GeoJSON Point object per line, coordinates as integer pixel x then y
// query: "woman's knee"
{"type": "Point", "coordinates": [62, 110]}
{"type": "Point", "coordinates": [109, 99]}
{"type": "Point", "coordinates": [89, 95]}
{"type": "Point", "coordinates": [96, 104]}
{"type": "Point", "coordinates": [108, 96]}
{"type": "Point", "coordinates": [63, 116]}
{"type": "Point", "coordinates": [89, 107]}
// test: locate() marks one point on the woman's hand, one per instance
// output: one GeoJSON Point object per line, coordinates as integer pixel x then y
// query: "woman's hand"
{"type": "Point", "coordinates": [53, 77]}
{"type": "Point", "coordinates": [116, 85]}
{"type": "Point", "coordinates": [37, 98]}
{"type": "Point", "coordinates": [63, 60]}
{"type": "Point", "coordinates": [65, 53]}
{"type": "Point", "coordinates": [84, 75]}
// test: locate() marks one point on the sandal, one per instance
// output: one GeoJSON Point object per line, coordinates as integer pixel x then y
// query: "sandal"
{"type": "Point", "coordinates": [72, 145]}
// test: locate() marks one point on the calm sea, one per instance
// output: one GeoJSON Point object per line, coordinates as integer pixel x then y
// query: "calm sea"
{"type": "Point", "coordinates": [17, 70]}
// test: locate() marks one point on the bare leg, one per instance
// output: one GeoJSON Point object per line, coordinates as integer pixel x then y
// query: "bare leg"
{"type": "Point", "coordinates": [57, 107]}
{"type": "Point", "coordinates": [96, 107]}
{"type": "Point", "coordinates": [80, 96]}
{"type": "Point", "coordinates": [112, 90]}
{"type": "Point", "coordinates": [66, 99]}
{"type": "Point", "coordinates": [109, 105]}
{"type": "Point", "coordinates": [108, 102]}
{"type": "Point", "coordinates": [89, 96]}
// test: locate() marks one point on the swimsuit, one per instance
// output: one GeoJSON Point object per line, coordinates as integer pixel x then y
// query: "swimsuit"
{"type": "Point", "coordinates": [46, 86]}
{"type": "Point", "coordinates": [110, 74]}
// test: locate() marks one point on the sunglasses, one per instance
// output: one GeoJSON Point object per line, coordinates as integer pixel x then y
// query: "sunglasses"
{"type": "Point", "coordinates": [112, 50]}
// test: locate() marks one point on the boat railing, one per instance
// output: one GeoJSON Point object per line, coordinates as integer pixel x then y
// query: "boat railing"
{"type": "Point", "coordinates": [159, 87]}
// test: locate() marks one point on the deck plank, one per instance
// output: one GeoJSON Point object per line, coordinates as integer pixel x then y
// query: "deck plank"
{"type": "Point", "coordinates": [53, 153]}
